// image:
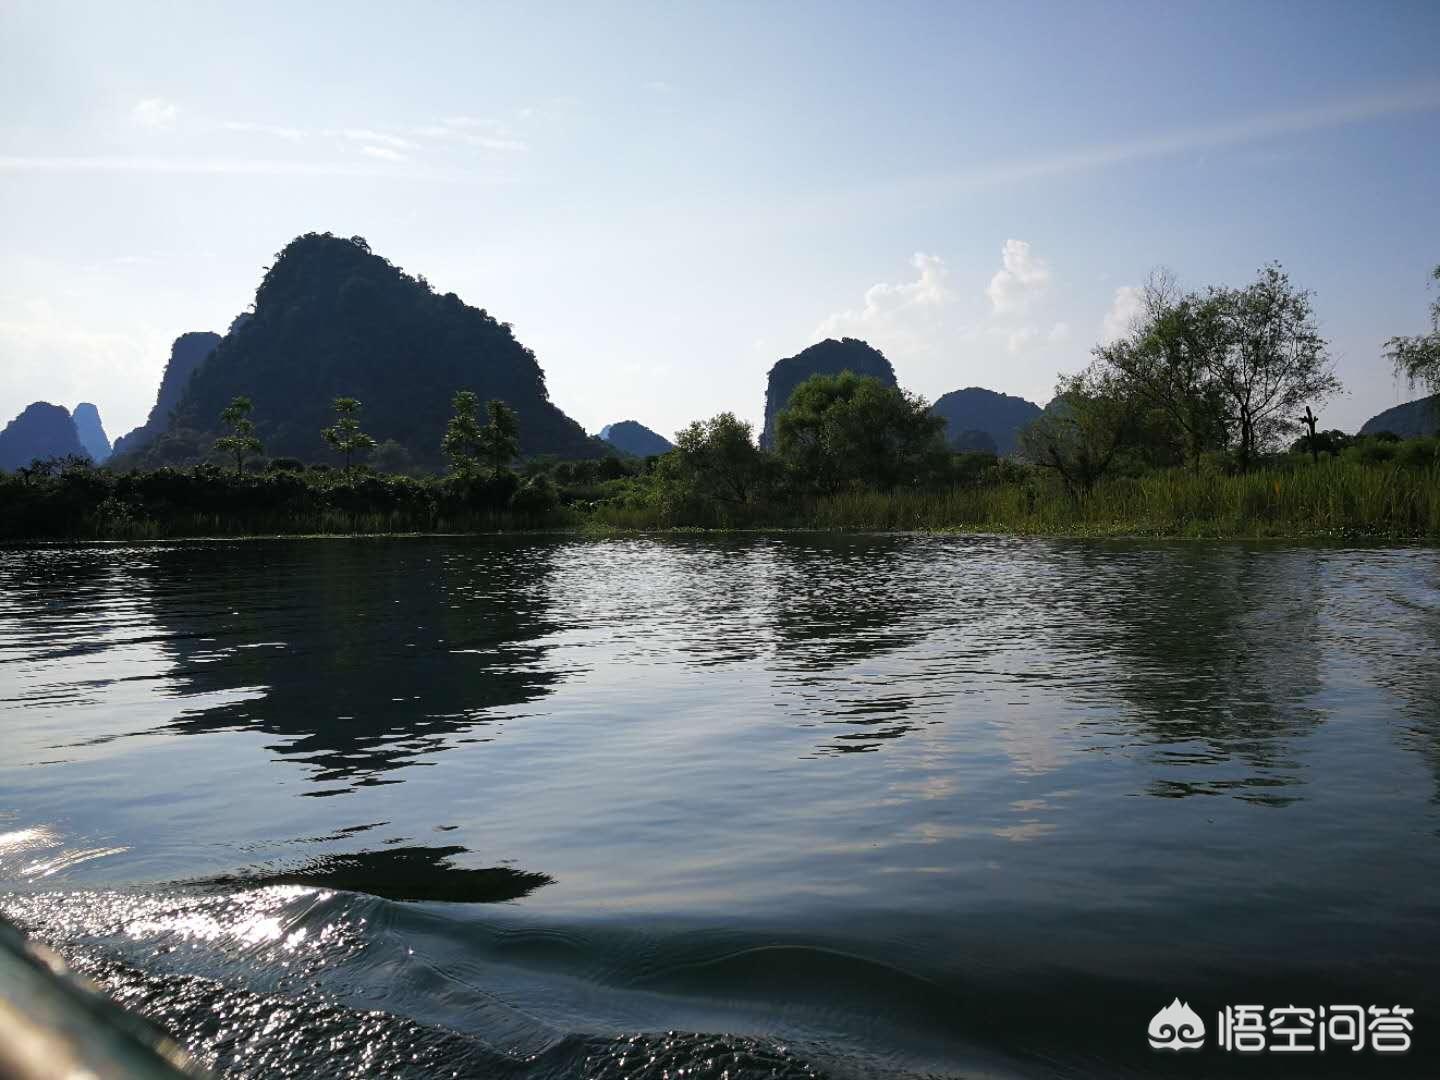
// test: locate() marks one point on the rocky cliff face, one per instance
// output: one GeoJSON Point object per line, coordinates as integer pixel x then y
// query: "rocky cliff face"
{"type": "Point", "coordinates": [633, 437]}
{"type": "Point", "coordinates": [188, 353]}
{"type": "Point", "coordinates": [91, 431]}
{"type": "Point", "coordinates": [973, 409]}
{"type": "Point", "coordinates": [1413, 419]}
{"type": "Point", "coordinates": [332, 319]}
{"type": "Point", "coordinates": [828, 357]}
{"type": "Point", "coordinates": [42, 431]}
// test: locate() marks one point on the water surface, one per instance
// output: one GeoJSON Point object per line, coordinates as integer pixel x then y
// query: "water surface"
{"type": "Point", "coordinates": [760, 806]}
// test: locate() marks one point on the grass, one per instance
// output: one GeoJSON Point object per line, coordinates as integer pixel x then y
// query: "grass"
{"type": "Point", "coordinates": [1336, 498]}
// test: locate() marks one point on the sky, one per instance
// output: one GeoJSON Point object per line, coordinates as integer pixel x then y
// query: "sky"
{"type": "Point", "coordinates": [665, 199]}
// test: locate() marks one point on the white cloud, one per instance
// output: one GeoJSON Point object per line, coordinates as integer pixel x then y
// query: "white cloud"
{"type": "Point", "coordinates": [1017, 340]}
{"type": "Point", "coordinates": [940, 336]}
{"type": "Point", "coordinates": [463, 130]}
{"type": "Point", "coordinates": [209, 166]}
{"type": "Point", "coordinates": [377, 138]}
{"type": "Point", "coordinates": [289, 134]}
{"type": "Point", "coordinates": [384, 153]}
{"type": "Point", "coordinates": [906, 319]}
{"type": "Point", "coordinates": [1124, 309]}
{"type": "Point", "coordinates": [1021, 277]}
{"type": "Point", "coordinates": [891, 311]}
{"type": "Point", "coordinates": [155, 114]}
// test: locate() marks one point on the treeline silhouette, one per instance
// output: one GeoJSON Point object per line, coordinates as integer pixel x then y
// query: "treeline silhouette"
{"type": "Point", "coordinates": [1182, 426]}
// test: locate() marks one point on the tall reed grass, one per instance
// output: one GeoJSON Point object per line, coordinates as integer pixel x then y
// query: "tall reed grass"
{"type": "Point", "coordinates": [1334, 498]}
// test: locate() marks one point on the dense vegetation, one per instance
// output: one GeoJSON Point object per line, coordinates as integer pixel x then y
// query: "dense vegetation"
{"type": "Point", "coordinates": [1185, 426]}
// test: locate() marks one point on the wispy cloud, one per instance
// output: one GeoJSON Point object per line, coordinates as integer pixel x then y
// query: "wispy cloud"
{"type": "Point", "coordinates": [155, 114]}
{"type": "Point", "coordinates": [384, 153]}
{"type": "Point", "coordinates": [289, 134]}
{"type": "Point", "coordinates": [376, 138]}
{"type": "Point", "coordinates": [1424, 97]}
{"type": "Point", "coordinates": [210, 166]}
{"type": "Point", "coordinates": [472, 131]}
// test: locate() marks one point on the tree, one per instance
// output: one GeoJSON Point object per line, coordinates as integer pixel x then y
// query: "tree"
{"type": "Point", "coordinates": [714, 461]}
{"type": "Point", "coordinates": [345, 436]}
{"type": "Point", "coordinates": [468, 445]}
{"type": "Point", "coordinates": [847, 430]}
{"type": "Point", "coordinates": [241, 439]}
{"type": "Point", "coordinates": [1418, 358]}
{"type": "Point", "coordinates": [1166, 358]}
{"type": "Point", "coordinates": [1084, 430]}
{"type": "Point", "coordinates": [1268, 359]}
{"type": "Point", "coordinates": [500, 438]}
{"type": "Point", "coordinates": [461, 444]}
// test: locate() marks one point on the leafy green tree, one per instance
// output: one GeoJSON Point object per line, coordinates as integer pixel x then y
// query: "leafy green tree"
{"type": "Point", "coordinates": [470, 446]}
{"type": "Point", "coordinates": [1084, 431]}
{"type": "Point", "coordinates": [241, 439]}
{"type": "Point", "coordinates": [847, 430]}
{"type": "Point", "coordinates": [714, 461]}
{"type": "Point", "coordinates": [462, 441]}
{"type": "Point", "coordinates": [1418, 358]}
{"type": "Point", "coordinates": [1165, 360]}
{"type": "Point", "coordinates": [345, 436]}
{"type": "Point", "coordinates": [500, 438]}
{"type": "Point", "coordinates": [1268, 361]}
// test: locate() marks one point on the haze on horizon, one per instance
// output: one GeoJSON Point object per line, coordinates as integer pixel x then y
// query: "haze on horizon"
{"type": "Point", "coordinates": [664, 200]}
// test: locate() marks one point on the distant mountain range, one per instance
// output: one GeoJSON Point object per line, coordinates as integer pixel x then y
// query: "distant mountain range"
{"type": "Point", "coordinates": [331, 318]}
{"type": "Point", "coordinates": [1413, 419]}
{"type": "Point", "coordinates": [633, 437]}
{"type": "Point", "coordinates": [40, 432]}
{"type": "Point", "coordinates": [91, 432]}
{"type": "Point", "coordinates": [974, 414]}
{"type": "Point", "coordinates": [188, 353]}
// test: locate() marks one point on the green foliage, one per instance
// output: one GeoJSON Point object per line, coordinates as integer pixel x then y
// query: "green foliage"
{"type": "Point", "coordinates": [847, 430]}
{"type": "Point", "coordinates": [1325, 442]}
{"type": "Point", "coordinates": [471, 447]}
{"type": "Point", "coordinates": [714, 473]}
{"type": "Point", "coordinates": [241, 439]}
{"type": "Point", "coordinates": [345, 436]}
{"type": "Point", "coordinates": [1418, 358]}
{"type": "Point", "coordinates": [1271, 359]}
{"type": "Point", "coordinates": [1084, 430]}
{"type": "Point", "coordinates": [462, 441]}
{"type": "Point", "coordinates": [500, 437]}
{"type": "Point", "coordinates": [1226, 368]}
{"type": "Point", "coordinates": [537, 498]}
{"type": "Point", "coordinates": [1164, 361]}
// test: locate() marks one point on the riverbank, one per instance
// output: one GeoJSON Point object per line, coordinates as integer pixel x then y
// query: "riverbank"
{"type": "Point", "coordinates": [1335, 498]}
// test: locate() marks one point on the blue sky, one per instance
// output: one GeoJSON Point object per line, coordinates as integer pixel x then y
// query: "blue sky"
{"type": "Point", "coordinates": [665, 199]}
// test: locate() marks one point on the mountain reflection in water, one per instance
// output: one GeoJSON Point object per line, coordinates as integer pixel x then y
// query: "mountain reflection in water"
{"type": "Point", "coordinates": [860, 805]}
